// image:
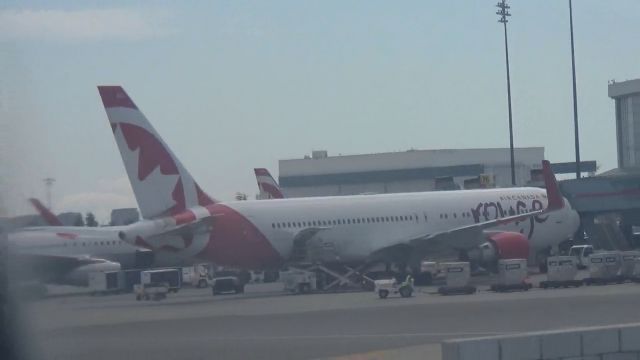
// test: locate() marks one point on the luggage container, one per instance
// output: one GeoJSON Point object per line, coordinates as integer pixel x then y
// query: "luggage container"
{"type": "Point", "coordinates": [151, 291]}
{"type": "Point", "coordinates": [172, 277]}
{"type": "Point", "coordinates": [457, 276]}
{"type": "Point", "coordinates": [131, 278]}
{"type": "Point", "coordinates": [428, 272]}
{"type": "Point", "coordinates": [512, 275]}
{"type": "Point", "coordinates": [298, 281]}
{"type": "Point", "coordinates": [604, 268]}
{"type": "Point", "coordinates": [109, 282]}
{"type": "Point", "coordinates": [628, 264]}
{"type": "Point", "coordinates": [562, 271]}
{"type": "Point", "coordinates": [636, 270]}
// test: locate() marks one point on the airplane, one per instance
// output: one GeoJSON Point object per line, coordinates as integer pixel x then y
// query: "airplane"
{"type": "Point", "coordinates": [269, 188]}
{"type": "Point", "coordinates": [179, 217]}
{"type": "Point", "coordinates": [58, 254]}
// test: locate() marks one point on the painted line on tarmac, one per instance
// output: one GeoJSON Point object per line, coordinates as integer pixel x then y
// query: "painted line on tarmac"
{"type": "Point", "coordinates": [360, 336]}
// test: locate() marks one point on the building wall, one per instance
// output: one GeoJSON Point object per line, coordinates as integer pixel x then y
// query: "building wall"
{"type": "Point", "coordinates": [629, 134]}
{"type": "Point", "coordinates": [124, 216]}
{"type": "Point", "coordinates": [627, 108]}
{"type": "Point", "coordinates": [409, 171]}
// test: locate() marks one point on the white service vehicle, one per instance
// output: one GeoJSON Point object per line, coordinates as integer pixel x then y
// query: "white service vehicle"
{"type": "Point", "coordinates": [581, 253]}
{"type": "Point", "coordinates": [196, 275]}
{"type": "Point", "coordinates": [385, 287]}
{"type": "Point", "coordinates": [227, 282]}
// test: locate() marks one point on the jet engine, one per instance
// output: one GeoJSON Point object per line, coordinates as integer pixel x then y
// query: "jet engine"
{"type": "Point", "coordinates": [500, 245]}
{"type": "Point", "coordinates": [80, 275]}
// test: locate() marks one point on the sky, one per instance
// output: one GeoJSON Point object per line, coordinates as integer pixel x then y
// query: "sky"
{"type": "Point", "coordinates": [233, 85]}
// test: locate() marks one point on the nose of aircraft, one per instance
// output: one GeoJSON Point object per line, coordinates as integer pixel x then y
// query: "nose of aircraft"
{"type": "Point", "coordinates": [574, 219]}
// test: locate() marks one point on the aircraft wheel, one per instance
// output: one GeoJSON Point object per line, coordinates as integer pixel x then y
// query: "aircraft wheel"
{"type": "Point", "coordinates": [383, 294]}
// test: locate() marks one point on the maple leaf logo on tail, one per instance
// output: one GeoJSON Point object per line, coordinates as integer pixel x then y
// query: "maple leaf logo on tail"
{"type": "Point", "coordinates": [161, 184]}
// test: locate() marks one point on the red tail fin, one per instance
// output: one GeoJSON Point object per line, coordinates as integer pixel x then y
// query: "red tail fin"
{"type": "Point", "coordinates": [46, 214]}
{"type": "Point", "coordinates": [161, 184]}
{"type": "Point", "coordinates": [267, 184]}
{"type": "Point", "coordinates": [554, 197]}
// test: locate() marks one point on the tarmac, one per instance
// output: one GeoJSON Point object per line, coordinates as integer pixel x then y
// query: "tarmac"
{"type": "Point", "coordinates": [193, 324]}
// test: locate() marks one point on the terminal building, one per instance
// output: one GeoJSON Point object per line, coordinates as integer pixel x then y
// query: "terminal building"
{"type": "Point", "coordinates": [412, 171]}
{"type": "Point", "coordinates": [610, 201]}
{"type": "Point", "coordinates": [626, 95]}
{"type": "Point", "coordinates": [125, 216]}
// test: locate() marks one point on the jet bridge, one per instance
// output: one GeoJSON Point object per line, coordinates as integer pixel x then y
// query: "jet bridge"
{"type": "Point", "coordinates": [608, 204]}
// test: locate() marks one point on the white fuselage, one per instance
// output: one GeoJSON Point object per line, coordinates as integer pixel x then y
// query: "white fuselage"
{"type": "Point", "coordinates": [357, 226]}
{"type": "Point", "coordinates": [71, 241]}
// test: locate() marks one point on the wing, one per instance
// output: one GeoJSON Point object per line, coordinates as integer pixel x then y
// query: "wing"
{"type": "Point", "coordinates": [464, 238]}
{"type": "Point", "coordinates": [451, 241]}
{"type": "Point", "coordinates": [49, 267]}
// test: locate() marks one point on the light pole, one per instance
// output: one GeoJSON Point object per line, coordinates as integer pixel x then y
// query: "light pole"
{"type": "Point", "coordinates": [575, 96]}
{"type": "Point", "coordinates": [48, 183]}
{"type": "Point", "coordinates": [503, 12]}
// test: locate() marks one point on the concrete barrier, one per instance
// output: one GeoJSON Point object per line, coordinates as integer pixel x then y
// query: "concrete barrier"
{"type": "Point", "coordinates": [617, 342]}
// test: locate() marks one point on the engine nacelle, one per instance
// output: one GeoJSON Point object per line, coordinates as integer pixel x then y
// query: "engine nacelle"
{"type": "Point", "coordinates": [500, 245]}
{"type": "Point", "coordinates": [80, 275]}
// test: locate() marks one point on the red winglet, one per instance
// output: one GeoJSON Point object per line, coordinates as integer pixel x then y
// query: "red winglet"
{"type": "Point", "coordinates": [115, 96]}
{"type": "Point", "coordinates": [46, 214]}
{"type": "Point", "coordinates": [554, 197]}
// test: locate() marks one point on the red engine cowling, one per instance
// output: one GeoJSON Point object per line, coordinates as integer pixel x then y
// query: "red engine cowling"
{"type": "Point", "coordinates": [510, 245]}
{"type": "Point", "coordinates": [500, 245]}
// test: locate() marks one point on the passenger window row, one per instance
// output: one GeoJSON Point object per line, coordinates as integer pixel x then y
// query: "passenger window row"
{"type": "Point", "coordinates": [95, 243]}
{"type": "Point", "coordinates": [455, 215]}
{"type": "Point", "coordinates": [367, 220]}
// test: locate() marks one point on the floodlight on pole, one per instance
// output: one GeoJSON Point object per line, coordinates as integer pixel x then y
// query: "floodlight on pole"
{"type": "Point", "coordinates": [48, 183]}
{"type": "Point", "coordinates": [575, 95]}
{"type": "Point", "coordinates": [503, 12]}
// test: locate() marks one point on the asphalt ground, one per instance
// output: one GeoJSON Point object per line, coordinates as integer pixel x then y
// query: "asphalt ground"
{"type": "Point", "coordinates": [193, 324]}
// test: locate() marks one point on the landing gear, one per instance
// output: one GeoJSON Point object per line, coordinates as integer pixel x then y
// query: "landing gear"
{"type": "Point", "coordinates": [541, 260]}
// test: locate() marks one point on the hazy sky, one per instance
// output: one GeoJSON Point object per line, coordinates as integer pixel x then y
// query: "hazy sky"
{"type": "Point", "coordinates": [232, 85]}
